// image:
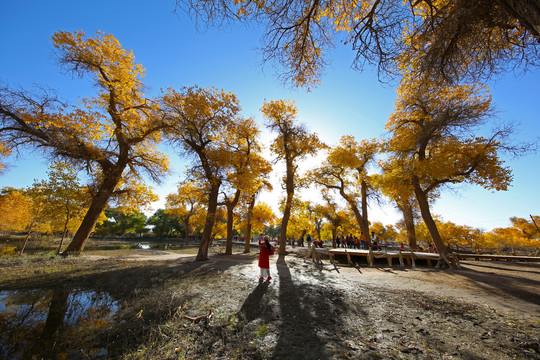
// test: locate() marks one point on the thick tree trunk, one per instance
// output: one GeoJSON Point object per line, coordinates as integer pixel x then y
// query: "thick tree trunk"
{"type": "Point", "coordinates": [285, 222]}
{"type": "Point", "coordinates": [289, 186]}
{"type": "Point", "coordinates": [333, 237]}
{"type": "Point", "coordinates": [98, 204]}
{"type": "Point", "coordinates": [527, 12]}
{"type": "Point", "coordinates": [187, 228]}
{"type": "Point", "coordinates": [421, 197]}
{"type": "Point", "coordinates": [230, 221]}
{"type": "Point", "coordinates": [364, 226]}
{"type": "Point", "coordinates": [408, 219]}
{"type": "Point", "coordinates": [247, 248]}
{"type": "Point", "coordinates": [357, 215]}
{"type": "Point", "coordinates": [202, 255]}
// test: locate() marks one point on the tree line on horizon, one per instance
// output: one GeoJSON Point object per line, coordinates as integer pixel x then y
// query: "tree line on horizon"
{"type": "Point", "coordinates": [433, 131]}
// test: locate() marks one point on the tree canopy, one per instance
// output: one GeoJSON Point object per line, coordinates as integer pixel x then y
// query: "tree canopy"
{"type": "Point", "coordinates": [112, 135]}
{"type": "Point", "coordinates": [457, 38]}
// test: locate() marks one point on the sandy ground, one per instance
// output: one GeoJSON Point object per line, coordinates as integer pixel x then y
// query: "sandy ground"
{"type": "Point", "coordinates": [511, 288]}
{"type": "Point", "coordinates": [485, 310]}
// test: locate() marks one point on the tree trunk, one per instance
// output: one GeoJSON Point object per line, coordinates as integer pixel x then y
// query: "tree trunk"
{"type": "Point", "coordinates": [333, 237]}
{"type": "Point", "coordinates": [98, 204]}
{"type": "Point", "coordinates": [285, 222]}
{"type": "Point", "coordinates": [421, 197]}
{"type": "Point", "coordinates": [202, 255]}
{"type": "Point", "coordinates": [187, 228]}
{"type": "Point", "coordinates": [357, 215]}
{"type": "Point", "coordinates": [63, 236]}
{"type": "Point", "coordinates": [248, 224]}
{"type": "Point", "coordinates": [527, 12]}
{"type": "Point", "coordinates": [408, 219]}
{"type": "Point", "coordinates": [230, 221]}
{"type": "Point", "coordinates": [364, 226]}
{"type": "Point", "coordinates": [27, 237]}
{"type": "Point", "coordinates": [289, 186]}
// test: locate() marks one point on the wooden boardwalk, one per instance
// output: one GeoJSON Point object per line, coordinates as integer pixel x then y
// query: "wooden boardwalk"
{"type": "Point", "coordinates": [402, 256]}
{"type": "Point", "coordinates": [410, 257]}
{"type": "Point", "coordinates": [497, 257]}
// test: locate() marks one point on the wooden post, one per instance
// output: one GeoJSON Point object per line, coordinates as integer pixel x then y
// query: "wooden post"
{"type": "Point", "coordinates": [401, 259]}
{"type": "Point", "coordinates": [412, 259]}
{"type": "Point", "coordinates": [331, 257]}
{"type": "Point", "coordinates": [370, 257]}
{"type": "Point", "coordinates": [348, 257]}
{"type": "Point", "coordinates": [389, 259]}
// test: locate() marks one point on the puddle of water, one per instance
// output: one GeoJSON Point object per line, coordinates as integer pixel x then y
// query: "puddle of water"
{"type": "Point", "coordinates": [55, 324]}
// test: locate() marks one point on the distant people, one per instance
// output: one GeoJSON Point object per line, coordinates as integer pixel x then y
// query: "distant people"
{"type": "Point", "coordinates": [362, 241]}
{"type": "Point", "coordinates": [338, 241]}
{"type": "Point", "coordinates": [293, 240]}
{"type": "Point", "coordinates": [308, 239]}
{"type": "Point", "coordinates": [356, 242]}
{"type": "Point", "coordinates": [401, 247]}
{"type": "Point", "coordinates": [430, 248]}
{"type": "Point", "coordinates": [301, 241]}
{"type": "Point", "coordinates": [264, 258]}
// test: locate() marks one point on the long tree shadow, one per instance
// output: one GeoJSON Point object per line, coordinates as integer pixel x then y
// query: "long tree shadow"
{"type": "Point", "coordinates": [525, 267]}
{"type": "Point", "coordinates": [309, 317]}
{"type": "Point", "coordinates": [513, 286]}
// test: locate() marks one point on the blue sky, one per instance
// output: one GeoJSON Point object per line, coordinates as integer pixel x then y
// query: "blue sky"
{"type": "Point", "coordinates": [176, 54]}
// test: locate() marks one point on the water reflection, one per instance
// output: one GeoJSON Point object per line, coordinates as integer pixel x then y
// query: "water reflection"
{"type": "Point", "coordinates": [54, 324]}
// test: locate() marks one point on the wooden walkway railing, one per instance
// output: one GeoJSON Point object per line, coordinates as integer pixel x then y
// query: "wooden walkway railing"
{"type": "Point", "coordinates": [409, 256]}
{"type": "Point", "coordinates": [497, 257]}
{"type": "Point", "coordinates": [406, 256]}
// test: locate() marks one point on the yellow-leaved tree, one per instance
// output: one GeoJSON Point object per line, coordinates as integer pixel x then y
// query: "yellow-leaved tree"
{"type": "Point", "coordinates": [345, 171]}
{"type": "Point", "coordinates": [292, 144]}
{"type": "Point", "coordinates": [459, 37]}
{"type": "Point", "coordinates": [432, 133]}
{"type": "Point", "coordinates": [202, 122]}
{"type": "Point", "coordinates": [246, 168]}
{"type": "Point", "coordinates": [16, 207]}
{"type": "Point", "coordinates": [113, 135]}
{"type": "Point", "coordinates": [185, 203]}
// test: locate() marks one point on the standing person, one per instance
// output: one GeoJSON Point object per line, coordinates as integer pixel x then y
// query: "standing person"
{"type": "Point", "coordinates": [308, 239]}
{"type": "Point", "coordinates": [374, 239]}
{"type": "Point", "coordinates": [264, 258]}
{"type": "Point", "coordinates": [363, 244]}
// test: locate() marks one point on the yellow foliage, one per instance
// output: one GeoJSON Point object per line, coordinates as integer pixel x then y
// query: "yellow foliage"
{"type": "Point", "coordinates": [17, 211]}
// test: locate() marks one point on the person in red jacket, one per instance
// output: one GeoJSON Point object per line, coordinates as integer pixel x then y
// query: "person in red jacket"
{"type": "Point", "coordinates": [264, 258]}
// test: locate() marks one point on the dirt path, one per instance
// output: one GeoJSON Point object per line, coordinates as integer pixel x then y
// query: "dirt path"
{"type": "Point", "coordinates": [510, 288]}
{"type": "Point", "coordinates": [506, 288]}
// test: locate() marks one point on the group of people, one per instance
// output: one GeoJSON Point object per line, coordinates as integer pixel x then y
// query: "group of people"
{"type": "Point", "coordinates": [309, 240]}
{"type": "Point", "coordinates": [353, 242]}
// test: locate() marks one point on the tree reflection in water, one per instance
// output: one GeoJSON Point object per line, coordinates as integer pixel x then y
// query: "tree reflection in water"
{"type": "Point", "coordinates": [58, 323]}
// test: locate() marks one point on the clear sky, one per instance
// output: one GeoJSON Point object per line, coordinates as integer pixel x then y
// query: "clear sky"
{"type": "Point", "coordinates": [175, 53]}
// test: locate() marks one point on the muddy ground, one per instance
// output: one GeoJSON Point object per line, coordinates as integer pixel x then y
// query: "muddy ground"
{"type": "Point", "coordinates": [485, 310]}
